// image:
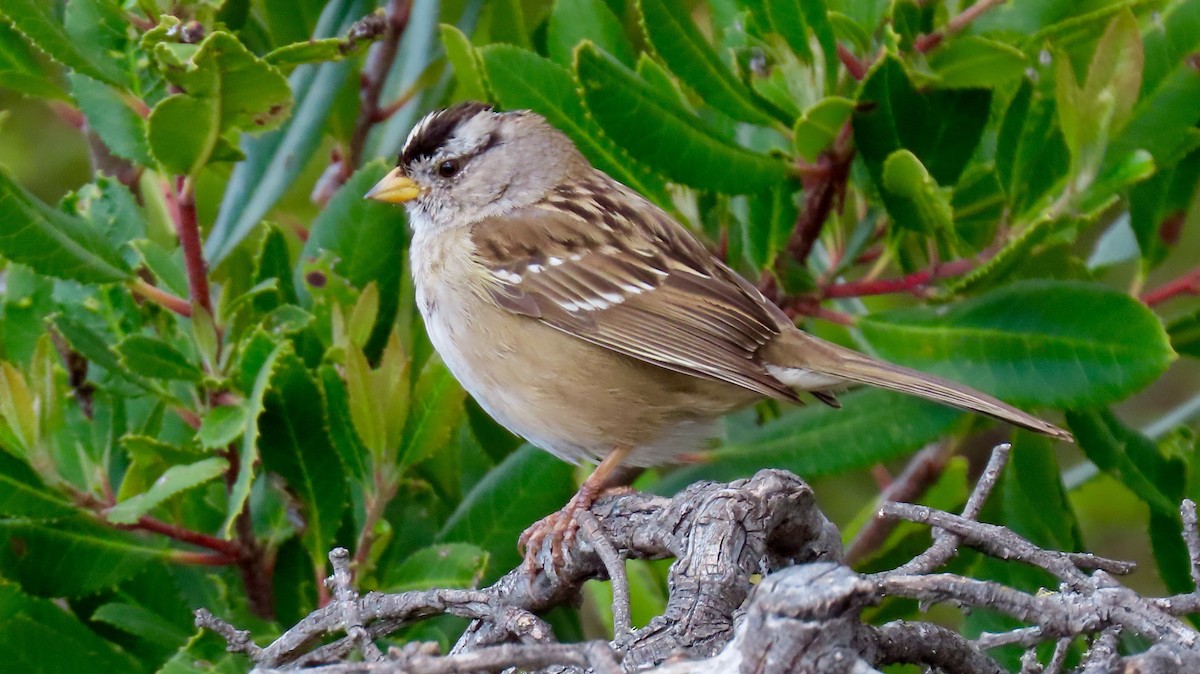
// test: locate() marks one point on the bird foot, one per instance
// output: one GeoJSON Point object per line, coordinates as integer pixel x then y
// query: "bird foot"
{"type": "Point", "coordinates": [558, 530]}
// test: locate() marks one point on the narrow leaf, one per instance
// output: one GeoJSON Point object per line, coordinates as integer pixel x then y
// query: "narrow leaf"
{"type": "Point", "coordinates": [659, 132]}
{"type": "Point", "coordinates": [176, 480]}
{"type": "Point", "coordinates": [155, 359]}
{"type": "Point", "coordinates": [52, 242]}
{"type": "Point", "coordinates": [678, 42]}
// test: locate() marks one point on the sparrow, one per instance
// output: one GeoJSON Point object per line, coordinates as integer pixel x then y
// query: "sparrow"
{"type": "Point", "coordinates": [585, 319]}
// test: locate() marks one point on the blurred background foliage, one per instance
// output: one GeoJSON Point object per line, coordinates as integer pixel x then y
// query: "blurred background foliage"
{"type": "Point", "coordinates": [212, 372]}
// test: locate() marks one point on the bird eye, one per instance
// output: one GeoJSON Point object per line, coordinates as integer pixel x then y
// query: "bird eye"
{"type": "Point", "coordinates": [447, 168]}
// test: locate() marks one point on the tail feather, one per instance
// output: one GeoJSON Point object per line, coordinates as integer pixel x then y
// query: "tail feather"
{"type": "Point", "coordinates": [823, 358]}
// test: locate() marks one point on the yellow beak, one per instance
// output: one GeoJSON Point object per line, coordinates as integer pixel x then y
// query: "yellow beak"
{"type": "Point", "coordinates": [395, 188]}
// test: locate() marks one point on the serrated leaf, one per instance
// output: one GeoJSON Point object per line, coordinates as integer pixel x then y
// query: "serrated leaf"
{"type": "Point", "coordinates": [248, 454]}
{"type": "Point", "coordinates": [310, 51]}
{"type": "Point", "coordinates": [526, 486]}
{"type": "Point", "coordinates": [141, 622]}
{"type": "Point", "coordinates": [819, 126]}
{"type": "Point", "coordinates": [52, 242]}
{"type": "Point", "coordinates": [121, 129]}
{"type": "Point", "coordinates": [658, 131]}
{"type": "Point", "coordinates": [274, 160]}
{"type": "Point", "coordinates": [574, 21]}
{"type": "Point", "coordinates": [28, 623]}
{"type": "Point", "coordinates": [21, 71]}
{"type": "Point", "coordinates": [176, 480]}
{"type": "Point", "coordinates": [18, 407]}
{"type": "Point", "coordinates": [455, 565]}
{"type": "Point", "coordinates": [155, 359]}
{"type": "Point", "coordinates": [468, 67]}
{"type": "Point", "coordinates": [23, 494]}
{"type": "Point", "coordinates": [345, 439]}
{"type": "Point", "coordinates": [436, 409]}
{"type": "Point", "coordinates": [522, 79]}
{"type": "Point", "coordinates": [679, 44]}
{"type": "Point", "coordinates": [45, 557]}
{"type": "Point", "coordinates": [294, 444]}
{"type": "Point", "coordinates": [35, 20]}
{"type": "Point", "coordinates": [362, 317]}
{"type": "Point", "coordinates": [221, 426]}
{"type": "Point", "coordinates": [1055, 343]}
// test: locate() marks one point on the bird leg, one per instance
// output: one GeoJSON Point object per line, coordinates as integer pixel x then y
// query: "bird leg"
{"type": "Point", "coordinates": [561, 526]}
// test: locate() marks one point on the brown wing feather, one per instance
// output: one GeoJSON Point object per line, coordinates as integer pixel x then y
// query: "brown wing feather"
{"type": "Point", "coordinates": [578, 261]}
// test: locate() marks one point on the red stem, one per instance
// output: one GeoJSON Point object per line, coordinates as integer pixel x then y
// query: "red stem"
{"type": "Point", "coordinates": [924, 43]}
{"type": "Point", "coordinates": [189, 240]}
{"type": "Point", "coordinates": [219, 545]}
{"type": "Point", "coordinates": [854, 65]}
{"type": "Point", "coordinates": [379, 63]}
{"type": "Point", "coordinates": [162, 297]}
{"type": "Point", "coordinates": [910, 283]}
{"type": "Point", "coordinates": [1188, 284]}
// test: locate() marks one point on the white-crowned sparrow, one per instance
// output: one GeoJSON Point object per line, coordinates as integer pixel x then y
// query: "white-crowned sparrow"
{"type": "Point", "coordinates": [583, 318]}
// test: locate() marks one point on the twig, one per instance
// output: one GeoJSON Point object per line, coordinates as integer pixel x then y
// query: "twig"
{"type": "Point", "coordinates": [228, 548]}
{"type": "Point", "coordinates": [1188, 284]}
{"type": "Point", "coordinates": [824, 183]}
{"type": "Point", "coordinates": [932, 646]}
{"type": "Point", "coordinates": [1191, 537]}
{"type": "Point", "coordinates": [614, 563]}
{"type": "Point", "coordinates": [926, 42]}
{"type": "Point", "coordinates": [945, 544]}
{"type": "Point", "coordinates": [921, 473]}
{"type": "Point", "coordinates": [374, 76]}
{"type": "Point", "coordinates": [238, 641]}
{"type": "Point", "coordinates": [1058, 659]}
{"type": "Point", "coordinates": [189, 240]}
{"type": "Point", "coordinates": [854, 65]}
{"type": "Point", "coordinates": [161, 297]}
{"type": "Point", "coordinates": [341, 582]}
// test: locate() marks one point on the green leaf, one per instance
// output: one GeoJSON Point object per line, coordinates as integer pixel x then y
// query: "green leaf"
{"type": "Point", "coordinates": [46, 558]}
{"type": "Point", "coordinates": [971, 61]}
{"type": "Point", "coordinates": [819, 126]}
{"type": "Point", "coordinates": [176, 480]}
{"type": "Point", "coordinates": [787, 18]}
{"type": "Point", "coordinates": [20, 69]}
{"type": "Point", "coordinates": [455, 565]}
{"type": "Point", "coordinates": [522, 79]}
{"type": "Point", "coordinates": [183, 132]}
{"type": "Point", "coordinates": [221, 426]}
{"type": "Point", "coordinates": [141, 622]}
{"type": "Point", "coordinates": [310, 51]}
{"type": "Point", "coordinates": [468, 66]}
{"type": "Point", "coordinates": [108, 114]}
{"type": "Point", "coordinates": [1035, 501]}
{"type": "Point", "coordinates": [436, 409]}
{"type": "Point", "coordinates": [574, 21]}
{"type": "Point", "coordinates": [1157, 479]}
{"type": "Point", "coordinates": [274, 160]}
{"type": "Point", "coordinates": [153, 358]}
{"type": "Point", "coordinates": [769, 225]}
{"type": "Point", "coordinates": [248, 456]}
{"type": "Point", "coordinates": [338, 420]}
{"type": "Point", "coordinates": [926, 207]}
{"type": "Point", "coordinates": [28, 624]}
{"type": "Point", "coordinates": [52, 242]}
{"type": "Point", "coordinates": [35, 20]}
{"type": "Point", "coordinates": [247, 93]}
{"type": "Point", "coordinates": [679, 44]}
{"type": "Point", "coordinates": [1185, 334]}
{"type": "Point", "coordinates": [873, 426]}
{"type": "Point", "coordinates": [1056, 343]}
{"type": "Point", "coordinates": [526, 486]}
{"type": "Point", "coordinates": [941, 127]}
{"type": "Point", "coordinates": [295, 444]}
{"type": "Point", "coordinates": [658, 131]}
{"type": "Point", "coordinates": [23, 494]}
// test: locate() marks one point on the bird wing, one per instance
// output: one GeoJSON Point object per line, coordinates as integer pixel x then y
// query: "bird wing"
{"type": "Point", "coordinates": [597, 261]}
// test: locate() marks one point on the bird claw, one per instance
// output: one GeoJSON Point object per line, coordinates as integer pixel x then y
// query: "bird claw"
{"type": "Point", "coordinates": [560, 528]}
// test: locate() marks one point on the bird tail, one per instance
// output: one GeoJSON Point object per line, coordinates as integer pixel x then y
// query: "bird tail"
{"type": "Point", "coordinates": [812, 359]}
